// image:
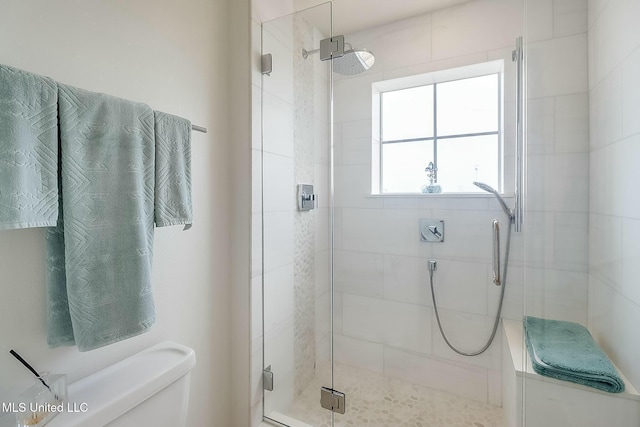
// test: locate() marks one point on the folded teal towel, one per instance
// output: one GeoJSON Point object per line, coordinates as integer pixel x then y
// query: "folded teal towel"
{"type": "Point", "coordinates": [99, 258]}
{"type": "Point", "coordinates": [28, 150]}
{"type": "Point", "coordinates": [567, 351]}
{"type": "Point", "coordinates": [173, 170]}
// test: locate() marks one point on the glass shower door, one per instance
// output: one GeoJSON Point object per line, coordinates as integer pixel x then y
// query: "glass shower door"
{"type": "Point", "coordinates": [296, 236]}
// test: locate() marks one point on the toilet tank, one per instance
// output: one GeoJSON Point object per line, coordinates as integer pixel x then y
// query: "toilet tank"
{"type": "Point", "coordinates": [148, 388]}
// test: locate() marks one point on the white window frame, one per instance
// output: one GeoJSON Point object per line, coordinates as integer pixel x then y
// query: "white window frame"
{"type": "Point", "coordinates": [433, 78]}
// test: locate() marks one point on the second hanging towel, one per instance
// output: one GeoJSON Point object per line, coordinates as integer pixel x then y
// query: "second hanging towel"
{"type": "Point", "coordinates": [100, 255]}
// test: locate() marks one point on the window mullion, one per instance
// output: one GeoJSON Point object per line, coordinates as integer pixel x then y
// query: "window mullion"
{"type": "Point", "coordinates": [435, 130]}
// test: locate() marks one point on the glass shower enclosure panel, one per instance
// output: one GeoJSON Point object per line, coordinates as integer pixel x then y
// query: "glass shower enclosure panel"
{"type": "Point", "coordinates": [390, 357]}
{"type": "Point", "coordinates": [296, 218]}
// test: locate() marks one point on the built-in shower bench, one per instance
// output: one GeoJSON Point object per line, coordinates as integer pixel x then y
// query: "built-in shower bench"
{"type": "Point", "coordinates": [555, 403]}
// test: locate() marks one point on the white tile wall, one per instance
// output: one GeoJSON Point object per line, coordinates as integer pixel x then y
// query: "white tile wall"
{"type": "Point", "coordinates": [539, 20]}
{"type": "Point", "coordinates": [613, 35]}
{"type": "Point", "coordinates": [352, 96]}
{"type": "Point", "coordinates": [256, 244]}
{"type": "Point", "coordinates": [513, 304]}
{"type": "Point", "coordinates": [541, 137]}
{"type": "Point", "coordinates": [558, 182]}
{"type": "Point", "coordinates": [359, 273]}
{"type": "Point", "coordinates": [613, 319]}
{"type": "Point", "coordinates": [357, 352]}
{"type": "Point", "coordinates": [277, 139]}
{"type": "Point", "coordinates": [406, 279]}
{"type": "Point", "coordinates": [278, 183]}
{"type": "Point", "coordinates": [322, 281]}
{"type": "Point", "coordinates": [614, 79]}
{"type": "Point", "coordinates": [256, 381]}
{"type": "Point", "coordinates": [630, 259]}
{"type": "Point", "coordinates": [595, 8]}
{"type": "Point", "coordinates": [605, 112]}
{"type": "Point", "coordinates": [572, 123]}
{"type": "Point", "coordinates": [553, 240]}
{"type": "Point", "coordinates": [553, 405]}
{"type": "Point", "coordinates": [631, 94]}
{"type": "Point", "coordinates": [383, 231]}
{"type": "Point", "coordinates": [494, 388]}
{"type": "Point", "coordinates": [468, 333]}
{"type": "Point", "coordinates": [256, 112]}
{"type": "Point", "coordinates": [391, 39]}
{"type": "Point", "coordinates": [560, 66]}
{"type": "Point", "coordinates": [256, 307]}
{"type": "Point", "coordinates": [605, 248]}
{"type": "Point", "coordinates": [569, 17]}
{"type": "Point", "coordinates": [475, 26]}
{"type": "Point", "coordinates": [278, 239]}
{"type": "Point", "coordinates": [614, 170]}
{"type": "Point", "coordinates": [460, 286]}
{"type": "Point", "coordinates": [406, 326]}
{"type": "Point", "coordinates": [353, 182]}
{"type": "Point", "coordinates": [278, 352]}
{"type": "Point", "coordinates": [278, 296]}
{"type": "Point", "coordinates": [556, 294]}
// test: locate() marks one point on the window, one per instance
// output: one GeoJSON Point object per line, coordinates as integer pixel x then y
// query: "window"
{"type": "Point", "coordinates": [454, 123]}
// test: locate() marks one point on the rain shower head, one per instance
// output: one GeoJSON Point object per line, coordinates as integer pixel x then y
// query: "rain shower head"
{"type": "Point", "coordinates": [354, 61]}
{"type": "Point", "coordinates": [491, 190]}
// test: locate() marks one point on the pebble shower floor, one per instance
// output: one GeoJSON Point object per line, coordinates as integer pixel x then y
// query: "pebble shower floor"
{"type": "Point", "coordinates": [376, 401]}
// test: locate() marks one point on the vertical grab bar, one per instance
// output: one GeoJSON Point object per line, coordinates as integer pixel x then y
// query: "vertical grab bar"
{"type": "Point", "coordinates": [496, 253]}
{"type": "Point", "coordinates": [517, 56]}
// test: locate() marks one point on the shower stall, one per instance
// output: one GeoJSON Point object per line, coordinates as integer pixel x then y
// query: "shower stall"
{"type": "Point", "coordinates": [383, 222]}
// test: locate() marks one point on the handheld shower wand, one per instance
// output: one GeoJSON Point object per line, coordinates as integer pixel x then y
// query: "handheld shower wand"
{"type": "Point", "coordinates": [489, 189]}
{"type": "Point", "coordinates": [497, 278]}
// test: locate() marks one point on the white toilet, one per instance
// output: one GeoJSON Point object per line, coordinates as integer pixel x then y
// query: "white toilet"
{"type": "Point", "coordinates": [149, 388]}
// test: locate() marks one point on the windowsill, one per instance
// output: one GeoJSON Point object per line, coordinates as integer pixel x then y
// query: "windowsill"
{"type": "Point", "coordinates": [441, 195]}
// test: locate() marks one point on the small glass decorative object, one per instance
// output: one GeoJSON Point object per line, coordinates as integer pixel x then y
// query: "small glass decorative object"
{"type": "Point", "coordinates": [39, 404]}
{"type": "Point", "coordinates": [433, 187]}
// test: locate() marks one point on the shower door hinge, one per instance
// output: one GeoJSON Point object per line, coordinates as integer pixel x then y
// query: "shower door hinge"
{"type": "Point", "coordinates": [266, 64]}
{"type": "Point", "coordinates": [331, 48]}
{"type": "Point", "coordinates": [267, 379]}
{"type": "Point", "coordinates": [332, 400]}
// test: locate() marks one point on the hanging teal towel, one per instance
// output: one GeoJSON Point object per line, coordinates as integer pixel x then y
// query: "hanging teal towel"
{"type": "Point", "coordinates": [567, 351]}
{"type": "Point", "coordinates": [99, 257]}
{"type": "Point", "coordinates": [28, 150]}
{"type": "Point", "coordinates": [173, 171]}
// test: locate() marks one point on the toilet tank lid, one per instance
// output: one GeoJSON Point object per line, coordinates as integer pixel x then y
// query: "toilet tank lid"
{"type": "Point", "coordinates": [111, 392]}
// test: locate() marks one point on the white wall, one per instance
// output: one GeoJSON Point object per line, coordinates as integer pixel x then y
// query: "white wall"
{"type": "Point", "coordinates": [614, 223]}
{"type": "Point", "coordinates": [170, 55]}
{"type": "Point", "coordinates": [240, 103]}
{"type": "Point", "coordinates": [384, 316]}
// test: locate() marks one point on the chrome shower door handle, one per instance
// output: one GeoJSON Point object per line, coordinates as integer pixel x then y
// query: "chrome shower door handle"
{"type": "Point", "coordinates": [518, 57]}
{"type": "Point", "coordinates": [496, 253]}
